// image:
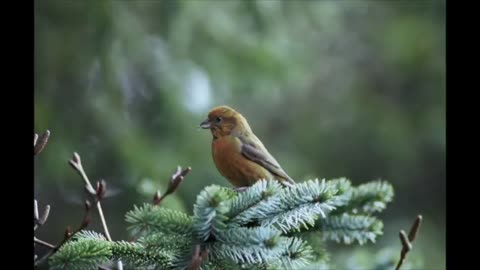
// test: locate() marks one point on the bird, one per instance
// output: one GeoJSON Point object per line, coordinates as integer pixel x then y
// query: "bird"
{"type": "Point", "coordinates": [238, 154]}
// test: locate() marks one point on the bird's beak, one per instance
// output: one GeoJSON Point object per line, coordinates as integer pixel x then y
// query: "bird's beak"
{"type": "Point", "coordinates": [206, 124]}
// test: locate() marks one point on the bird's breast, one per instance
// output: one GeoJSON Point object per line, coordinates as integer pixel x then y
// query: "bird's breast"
{"type": "Point", "coordinates": [233, 165]}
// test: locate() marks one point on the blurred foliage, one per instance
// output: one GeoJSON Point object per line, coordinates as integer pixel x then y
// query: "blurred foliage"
{"type": "Point", "coordinates": [333, 88]}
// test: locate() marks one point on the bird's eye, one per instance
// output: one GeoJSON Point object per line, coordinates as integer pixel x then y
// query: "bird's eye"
{"type": "Point", "coordinates": [218, 119]}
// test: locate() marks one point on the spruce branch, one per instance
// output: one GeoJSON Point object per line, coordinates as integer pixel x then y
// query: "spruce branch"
{"type": "Point", "coordinates": [157, 251]}
{"type": "Point", "coordinates": [407, 241]}
{"type": "Point", "coordinates": [251, 197]}
{"type": "Point", "coordinates": [259, 228]}
{"type": "Point", "coordinates": [210, 211]}
{"type": "Point", "coordinates": [255, 229]}
{"type": "Point", "coordinates": [369, 198]}
{"type": "Point", "coordinates": [318, 244]}
{"type": "Point", "coordinates": [136, 256]}
{"type": "Point", "coordinates": [297, 254]}
{"type": "Point", "coordinates": [152, 219]}
{"type": "Point", "coordinates": [195, 256]}
{"type": "Point", "coordinates": [304, 203]}
{"type": "Point", "coordinates": [249, 245]}
{"type": "Point", "coordinates": [81, 254]}
{"type": "Point", "coordinates": [290, 209]}
{"type": "Point", "coordinates": [175, 243]}
{"type": "Point", "coordinates": [349, 228]}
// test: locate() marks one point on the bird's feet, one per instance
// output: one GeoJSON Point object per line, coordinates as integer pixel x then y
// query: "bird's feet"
{"type": "Point", "coordinates": [240, 189]}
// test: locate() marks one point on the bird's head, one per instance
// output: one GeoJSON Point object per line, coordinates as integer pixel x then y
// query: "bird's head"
{"type": "Point", "coordinates": [223, 120]}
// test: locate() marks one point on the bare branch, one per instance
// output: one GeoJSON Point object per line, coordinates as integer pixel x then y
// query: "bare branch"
{"type": "Point", "coordinates": [44, 216]}
{"type": "Point", "coordinates": [157, 197]}
{"type": "Point", "coordinates": [35, 210]}
{"type": "Point", "coordinates": [415, 227]}
{"type": "Point", "coordinates": [35, 138]}
{"type": "Point", "coordinates": [86, 218]}
{"type": "Point", "coordinates": [175, 181]}
{"type": "Point", "coordinates": [76, 164]}
{"type": "Point", "coordinates": [43, 243]}
{"type": "Point", "coordinates": [98, 193]}
{"type": "Point", "coordinates": [101, 189]}
{"type": "Point", "coordinates": [39, 220]}
{"type": "Point", "coordinates": [407, 242]}
{"type": "Point", "coordinates": [407, 246]}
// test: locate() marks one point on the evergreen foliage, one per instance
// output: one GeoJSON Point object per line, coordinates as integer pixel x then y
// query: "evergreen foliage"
{"type": "Point", "coordinates": [265, 227]}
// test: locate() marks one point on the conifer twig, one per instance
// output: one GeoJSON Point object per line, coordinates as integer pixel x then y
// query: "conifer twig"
{"type": "Point", "coordinates": [407, 241]}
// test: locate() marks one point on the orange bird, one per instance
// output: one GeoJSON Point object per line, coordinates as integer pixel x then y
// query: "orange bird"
{"type": "Point", "coordinates": [237, 153]}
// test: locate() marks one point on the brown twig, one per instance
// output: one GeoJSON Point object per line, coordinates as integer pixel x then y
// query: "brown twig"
{"type": "Point", "coordinates": [40, 142]}
{"type": "Point", "coordinates": [76, 164]}
{"type": "Point", "coordinates": [407, 241]}
{"type": "Point", "coordinates": [199, 255]}
{"type": "Point", "coordinates": [98, 193]}
{"type": "Point", "coordinates": [43, 243]}
{"type": "Point", "coordinates": [39, 220]}
{"type": "Point", "coordinates": [69, 233]}
{"type": "Point", "coordinates": [196, 259]}
{"type": "Point", "coordinates": [175, 180]}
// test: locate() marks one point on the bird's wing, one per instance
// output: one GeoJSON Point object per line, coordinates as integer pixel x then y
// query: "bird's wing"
{"type": "Point", "coordinates": [258, 154]}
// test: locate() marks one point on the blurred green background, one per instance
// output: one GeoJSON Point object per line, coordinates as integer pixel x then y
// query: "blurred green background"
{"type": "Point", "coordinates": [333, 88]}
